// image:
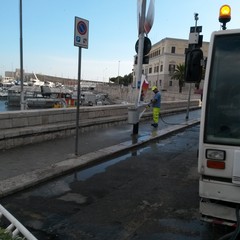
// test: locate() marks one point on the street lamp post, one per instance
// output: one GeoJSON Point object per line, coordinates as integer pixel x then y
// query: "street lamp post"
{"type": "Point", "coordinates": [21, 58]}
{"type": "Point", "coordinates": [118, 70]}
{"type": "Point", "coordinates": [104, 73]}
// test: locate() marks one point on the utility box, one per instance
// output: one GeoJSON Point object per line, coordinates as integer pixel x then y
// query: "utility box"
{"type": "Point", "coordinates": [133, 115]}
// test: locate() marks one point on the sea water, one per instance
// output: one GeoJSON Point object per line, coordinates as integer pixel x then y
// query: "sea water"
{"type": "Point", "coordinates": [4, 107]}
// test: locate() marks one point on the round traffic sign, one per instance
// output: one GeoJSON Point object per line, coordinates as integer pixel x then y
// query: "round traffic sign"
{"type": "Point", "coordinates": [147, 46]}
{"type": "Point", "coordinates": [82, 28]}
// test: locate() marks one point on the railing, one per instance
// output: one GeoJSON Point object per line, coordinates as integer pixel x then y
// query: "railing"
{"type": "Point", "coordinates": [15, 228]}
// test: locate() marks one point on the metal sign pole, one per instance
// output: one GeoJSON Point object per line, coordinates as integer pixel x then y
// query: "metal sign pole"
{"type": "Point", "coordinates": [190, 86]}
{"type": "Point", "coordinates": [80, 41]}
{"type": "Point", "coordinates": [78, 99]}
{"type": "Point", "coordinates": [188, 104]}
{"type": "Point", "coordinates": [140, 58]}
{"type": "Point", "coordinates": [140, 48]}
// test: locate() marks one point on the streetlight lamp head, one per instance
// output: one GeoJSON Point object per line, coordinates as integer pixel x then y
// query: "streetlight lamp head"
{"type": "Point", "coordinates": [196, 16]}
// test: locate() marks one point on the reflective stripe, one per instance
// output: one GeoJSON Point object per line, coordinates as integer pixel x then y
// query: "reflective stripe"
{"type": "Point", "coordinates": [156, 112]}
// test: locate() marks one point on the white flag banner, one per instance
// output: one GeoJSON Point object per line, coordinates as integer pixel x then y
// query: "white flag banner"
{"type": "Point", "coordinates": [143, 79]}
{"type": "Point", "coordinates": [150, 17]}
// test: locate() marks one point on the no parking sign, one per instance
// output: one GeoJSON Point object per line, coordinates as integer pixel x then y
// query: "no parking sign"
{"type": "Point", "coordinates": [81, 32]}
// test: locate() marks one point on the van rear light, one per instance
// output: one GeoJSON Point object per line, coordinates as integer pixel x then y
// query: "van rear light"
{"type": "Point", "coordinates": [215, 154]}
{"type": "Point", "coordinates": [215, 164]}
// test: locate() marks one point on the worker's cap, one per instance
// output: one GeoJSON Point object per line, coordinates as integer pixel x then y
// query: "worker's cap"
{"type": "Point", "coordinates": [154, 88]}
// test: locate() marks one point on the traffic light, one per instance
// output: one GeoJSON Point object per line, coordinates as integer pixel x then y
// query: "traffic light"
{"type": "Point", "coordinates": [193, 66]}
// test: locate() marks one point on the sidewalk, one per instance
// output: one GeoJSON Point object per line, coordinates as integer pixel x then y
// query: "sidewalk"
{"type": "Point", "coordinates": [26, 166]}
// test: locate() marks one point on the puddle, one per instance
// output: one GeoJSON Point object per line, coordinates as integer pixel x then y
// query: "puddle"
{"type": "Point", "coordinates": [50, 189]}
{"type": "Point", "coordinates": [62, 185]}
{"type": "Point", "coordinates": [74, 197]}
{"type": "Point", "coordinates": [83, 175]}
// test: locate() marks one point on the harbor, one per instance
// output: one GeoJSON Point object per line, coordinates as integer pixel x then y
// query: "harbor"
{"type": "Point", "coordinates": [43, 93]}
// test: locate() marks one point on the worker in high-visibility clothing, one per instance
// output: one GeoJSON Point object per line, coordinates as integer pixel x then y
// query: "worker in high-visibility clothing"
{"type": "Point", "coordinates": [156, 104]}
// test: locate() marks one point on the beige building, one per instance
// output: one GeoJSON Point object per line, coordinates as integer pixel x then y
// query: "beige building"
{"type": "Point", "coordinates": [164, 56]}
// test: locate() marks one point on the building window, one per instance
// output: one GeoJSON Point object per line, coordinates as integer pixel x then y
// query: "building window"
{"type": "Point", "coordinates": [170, 83]}
{"type": "Point", "coordinates": [160, 82]}
{"type": "Point", "coordinates": [156, 69]}
{"type": "Point", "coordinates": [161, 68]}
{"type": "Point", "coordinates": [150, 70]}
{"type": "Point", "coordinates": [173, 50]}
{"type": "Point", "coordinates": [171, 68]}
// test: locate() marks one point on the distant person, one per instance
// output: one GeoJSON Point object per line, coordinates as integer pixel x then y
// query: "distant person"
{"type": "Point", "coordinates": [156, 104]}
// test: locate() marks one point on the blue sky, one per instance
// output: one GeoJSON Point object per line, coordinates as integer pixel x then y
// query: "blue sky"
{"type": "Point", "coordinates": [48, 33]}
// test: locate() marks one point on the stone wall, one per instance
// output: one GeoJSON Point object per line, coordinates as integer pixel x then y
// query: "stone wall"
{"type": "Point", "coordinates": [127, 94]}
{"type": "Point", "coordinates": [30, 126]}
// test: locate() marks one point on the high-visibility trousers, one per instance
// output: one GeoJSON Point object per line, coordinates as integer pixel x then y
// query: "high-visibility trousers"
{"type": "Point", "coordinates": [156, 112]}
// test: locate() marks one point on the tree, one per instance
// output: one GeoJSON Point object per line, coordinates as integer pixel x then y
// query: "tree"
{"type": "Point", "coordinates": [178, 74]}
{"type": "Point", "coordinates": [126, 80]}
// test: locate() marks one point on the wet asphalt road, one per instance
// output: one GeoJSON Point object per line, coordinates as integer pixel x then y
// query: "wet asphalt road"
{"type": "Point", "coordinates": [147, 194]}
